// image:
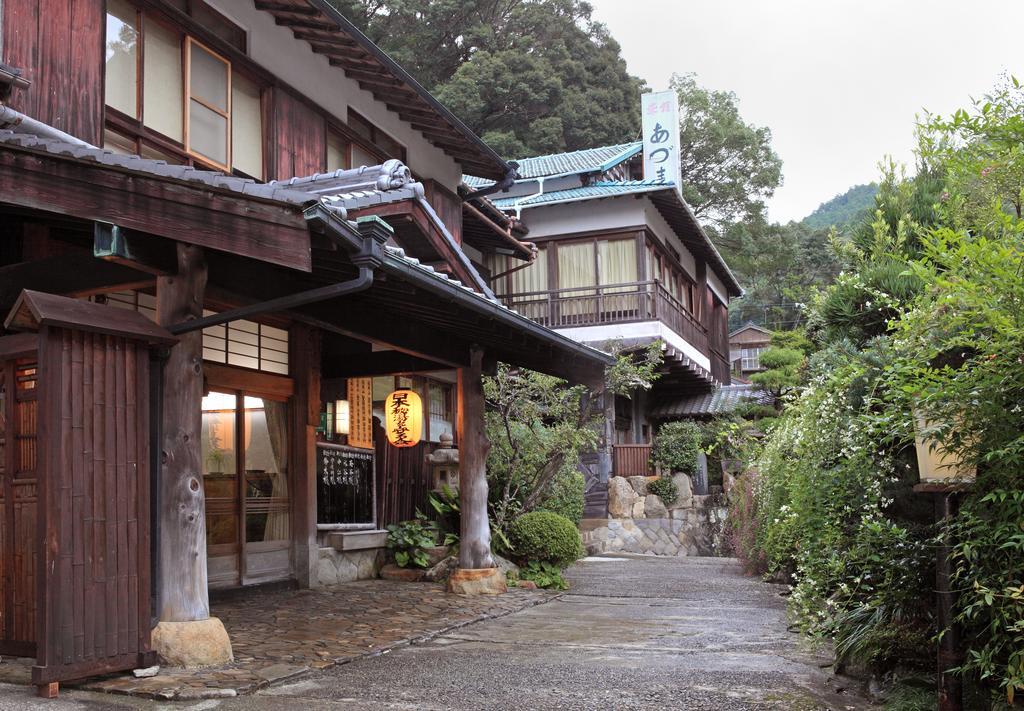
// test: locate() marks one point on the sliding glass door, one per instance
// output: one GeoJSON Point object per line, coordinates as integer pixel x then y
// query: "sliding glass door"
{"type": "Point", "coordinates": [245, 479]}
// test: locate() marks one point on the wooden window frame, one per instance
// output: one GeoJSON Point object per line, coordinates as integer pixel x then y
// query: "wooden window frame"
{"type": "Point", "coordinates": [133, 129]}
{"type": "Point", "coordinates": [188, 98]}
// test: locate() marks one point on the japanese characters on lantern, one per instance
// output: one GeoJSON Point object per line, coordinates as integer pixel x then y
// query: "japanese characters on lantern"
{"type": "Point", "coordinates": [403, 418]}
{"type": "Point", "coordinates": [660, 122]}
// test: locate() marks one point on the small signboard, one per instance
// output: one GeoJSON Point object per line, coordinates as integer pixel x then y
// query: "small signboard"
{"type": "Point", "coordinates": [660, 122]}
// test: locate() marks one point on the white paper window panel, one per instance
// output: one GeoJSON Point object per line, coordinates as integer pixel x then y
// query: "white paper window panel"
{"type": "Point", "coordinates": [161, 90]}
{"type": "Point", "coordinates": [246, 127]}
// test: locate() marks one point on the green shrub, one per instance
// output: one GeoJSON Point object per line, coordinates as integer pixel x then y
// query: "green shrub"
{"type": "Point", "coordinates": [677, 446]}
{"type": "Point", "coordinates": [407, 541]}
{"type": "Point", "coordinates": [542, 536]}
{"type": "Point", "coordinates": [546, 575]}
{"type": "Point", "coordinates": [447, 513]}
{"type": "Point", "coordinates": [665, 489]}
{"type": "Point", "coordinates": [566, 496]}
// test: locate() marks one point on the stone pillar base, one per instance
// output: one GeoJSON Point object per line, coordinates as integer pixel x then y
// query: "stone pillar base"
{"type": "Point", "coordinates": [197, 643]}
{"type": "Point", "coordinates": [477, 581]}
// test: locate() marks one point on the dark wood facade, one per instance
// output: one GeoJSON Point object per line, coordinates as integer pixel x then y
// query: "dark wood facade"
{"type": "Point", "coordinates": [106, 238]}
{"type": "Point", "coordinates": [59, 46]}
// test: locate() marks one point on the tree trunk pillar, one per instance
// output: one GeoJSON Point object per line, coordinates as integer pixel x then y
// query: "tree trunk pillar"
{"type": "Point", "coordinates": [186, 634]}
{"type": "Point", "coordinates": [477, 574]}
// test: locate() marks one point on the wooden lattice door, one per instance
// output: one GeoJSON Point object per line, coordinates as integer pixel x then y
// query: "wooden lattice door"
{"type": "Point", "coordinates": [19, 496]}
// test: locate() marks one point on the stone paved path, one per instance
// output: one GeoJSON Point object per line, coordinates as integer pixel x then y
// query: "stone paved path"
{"type": "Point", "coordinates": [631, 633]}
{"type": "Point", "coordinates": [283, 634]}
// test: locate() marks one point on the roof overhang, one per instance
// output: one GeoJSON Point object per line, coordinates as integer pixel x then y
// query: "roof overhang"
{"type": "Point", "coordinates": [331, 34]}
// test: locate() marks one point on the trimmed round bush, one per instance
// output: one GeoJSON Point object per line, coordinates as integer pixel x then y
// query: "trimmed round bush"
{"type": "Point", "coordinates": [543, 536]}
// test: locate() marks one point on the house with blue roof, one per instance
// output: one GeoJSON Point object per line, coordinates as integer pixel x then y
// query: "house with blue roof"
{"type": "Point", "coordinates": [620, 261]}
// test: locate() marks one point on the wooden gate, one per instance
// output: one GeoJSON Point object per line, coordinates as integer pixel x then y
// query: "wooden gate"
{"type": "Point", "coordinates": [76, 488]}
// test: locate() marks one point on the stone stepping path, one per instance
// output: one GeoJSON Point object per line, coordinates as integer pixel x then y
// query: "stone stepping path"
{"type": "Point", "coordinates": [284, 634]}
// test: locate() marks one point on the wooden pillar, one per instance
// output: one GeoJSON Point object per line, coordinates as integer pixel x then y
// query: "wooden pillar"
{"type": "Point", "coordinates": [182, 592]}
{"type": "Point", "coordinates": [475, 545]}
{"type": "Point", "coordinates": [305, 349]}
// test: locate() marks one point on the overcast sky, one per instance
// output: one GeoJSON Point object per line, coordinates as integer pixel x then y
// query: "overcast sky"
{"type": "Point", "coordinates": [838, 82]}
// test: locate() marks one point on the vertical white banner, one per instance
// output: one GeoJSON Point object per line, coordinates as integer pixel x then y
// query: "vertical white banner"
{"type": "Point", "coordinates": [660, 122]}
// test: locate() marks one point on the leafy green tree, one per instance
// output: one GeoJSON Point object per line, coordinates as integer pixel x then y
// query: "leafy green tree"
{"type": "Point", "coordinates": [539, 426]}
{"type": "Point", "coordinates": [781, 268]}
{"type": "Point", "coordinates": [528, 76]}
{"type": "Point", "coordinates": [728, 166]}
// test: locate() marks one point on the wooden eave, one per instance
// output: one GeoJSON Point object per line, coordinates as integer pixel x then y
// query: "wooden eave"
{"type": "Point", "coordinates": [423, 241]}
{"type": "Point", "coordinates": [412, 313]}
{"type": "Point", "coordinates": [51, 178]}
{"type": "Point", "coordinates": [490, 229]}
{"type": "Point", "coordinates": [35, 309]}
{"type": "Point", "coordinates": [330, 34]}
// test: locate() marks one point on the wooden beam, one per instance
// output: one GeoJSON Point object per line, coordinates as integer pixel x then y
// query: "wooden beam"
{"type": "Point", "coordinates": [286, 7]}
{"type": "Point", "coordinates": [182, 592]}
{"type": "Point", "coordinates": [68, 275]}
{"type": "Point", "coordinates": [307, 24]}
{"type": "Point", "coordinates": [145, 253]}
{"type": "Point", "coordinates": [475, 539]}
{"type": "Point", "coordinates": [328, 41]}
{"type": "Point", "coordinates": [380, 363]}
{"type": "Point", "coordinates": [205, 216]}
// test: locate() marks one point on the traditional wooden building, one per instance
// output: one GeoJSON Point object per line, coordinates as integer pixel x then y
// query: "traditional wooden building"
{"type": "Point", "coordinates": [229, 230]}
{"type": "Point", "coordinates": [746, 344]}
{"type": "Point", "coordinates": [621, 262]}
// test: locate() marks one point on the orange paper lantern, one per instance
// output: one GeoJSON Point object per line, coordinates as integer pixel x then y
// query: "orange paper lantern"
{"type": "Point", "coordinates": [403, 418]}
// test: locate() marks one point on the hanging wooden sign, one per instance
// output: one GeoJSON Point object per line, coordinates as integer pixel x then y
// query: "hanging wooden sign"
{"type": "Point", "coordinates": [403, 414]}
{"type": "Point", "coordinates": [360, 407]}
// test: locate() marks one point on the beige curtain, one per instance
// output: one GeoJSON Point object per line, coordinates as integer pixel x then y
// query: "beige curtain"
{"type": "Point", "coordinates": [617, 261]}
{"type": "Point", "coordinates": [532, 279]}
{"type": "Point", "coordinates": [277, 429]}
{"type": "Point", "coordinates": [576, 268]}
{"type": "Point", "coordinates": [498, 264]}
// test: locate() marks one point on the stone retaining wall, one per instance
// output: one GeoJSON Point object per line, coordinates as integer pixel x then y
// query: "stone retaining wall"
{"type": "Point", "coordinates": [641, 523]}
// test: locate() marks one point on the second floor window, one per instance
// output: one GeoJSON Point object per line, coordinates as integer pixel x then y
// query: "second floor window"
{"type": "Point", "coordinates": [182, 100]}
{"type": "Point", "coordinates": [750, 358]}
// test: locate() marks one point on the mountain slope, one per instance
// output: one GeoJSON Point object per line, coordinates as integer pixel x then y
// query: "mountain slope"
{"type": "Point", "coordinates": [845, 209]}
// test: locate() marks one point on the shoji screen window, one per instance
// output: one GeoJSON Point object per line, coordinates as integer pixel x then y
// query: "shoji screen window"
{"type": "Point", "coordinates": [122, 57]}
{"type": "Point", "coordinates": [208, 110]}
{"type": "Point", "coordinates": [339, 155]}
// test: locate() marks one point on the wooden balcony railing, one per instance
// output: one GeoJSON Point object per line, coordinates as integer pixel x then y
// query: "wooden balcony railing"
{"type": "Point", "coordinates": [615, 303]}
{"type": "Point", "coordinates": [631, 459]}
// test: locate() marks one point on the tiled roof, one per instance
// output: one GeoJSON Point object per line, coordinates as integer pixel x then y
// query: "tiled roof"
{"type": "Point", "coordinates": [338, 192]}
{"type": "Point", "coordinates": [595, 191]}
{"type": "Point", "coordinates": [719, 401]}
{"type": "Point", "coordinates": [156, 168]}
{"type": "Point", "coordinates": [588, 160]}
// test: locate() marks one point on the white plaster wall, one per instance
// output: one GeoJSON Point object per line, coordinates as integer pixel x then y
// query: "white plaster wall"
{"type": "Point", "coordinates": [607, 214]}
{"type": "Point", "coordinates": [598, 335]}
{"type": "Point", "coordinates": [531, 186]}
{"type": "Point", "coordinates": [718, 287]}
{"type": "Point", "coordinates": [275, 49]}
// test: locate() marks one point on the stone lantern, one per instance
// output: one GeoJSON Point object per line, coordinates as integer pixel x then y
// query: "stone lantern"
{"type": "Point", "coordinates": [445, 464]}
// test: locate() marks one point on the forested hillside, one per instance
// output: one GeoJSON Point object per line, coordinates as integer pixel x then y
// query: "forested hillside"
{"type": "Point", "coordinates": [843, 210]}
